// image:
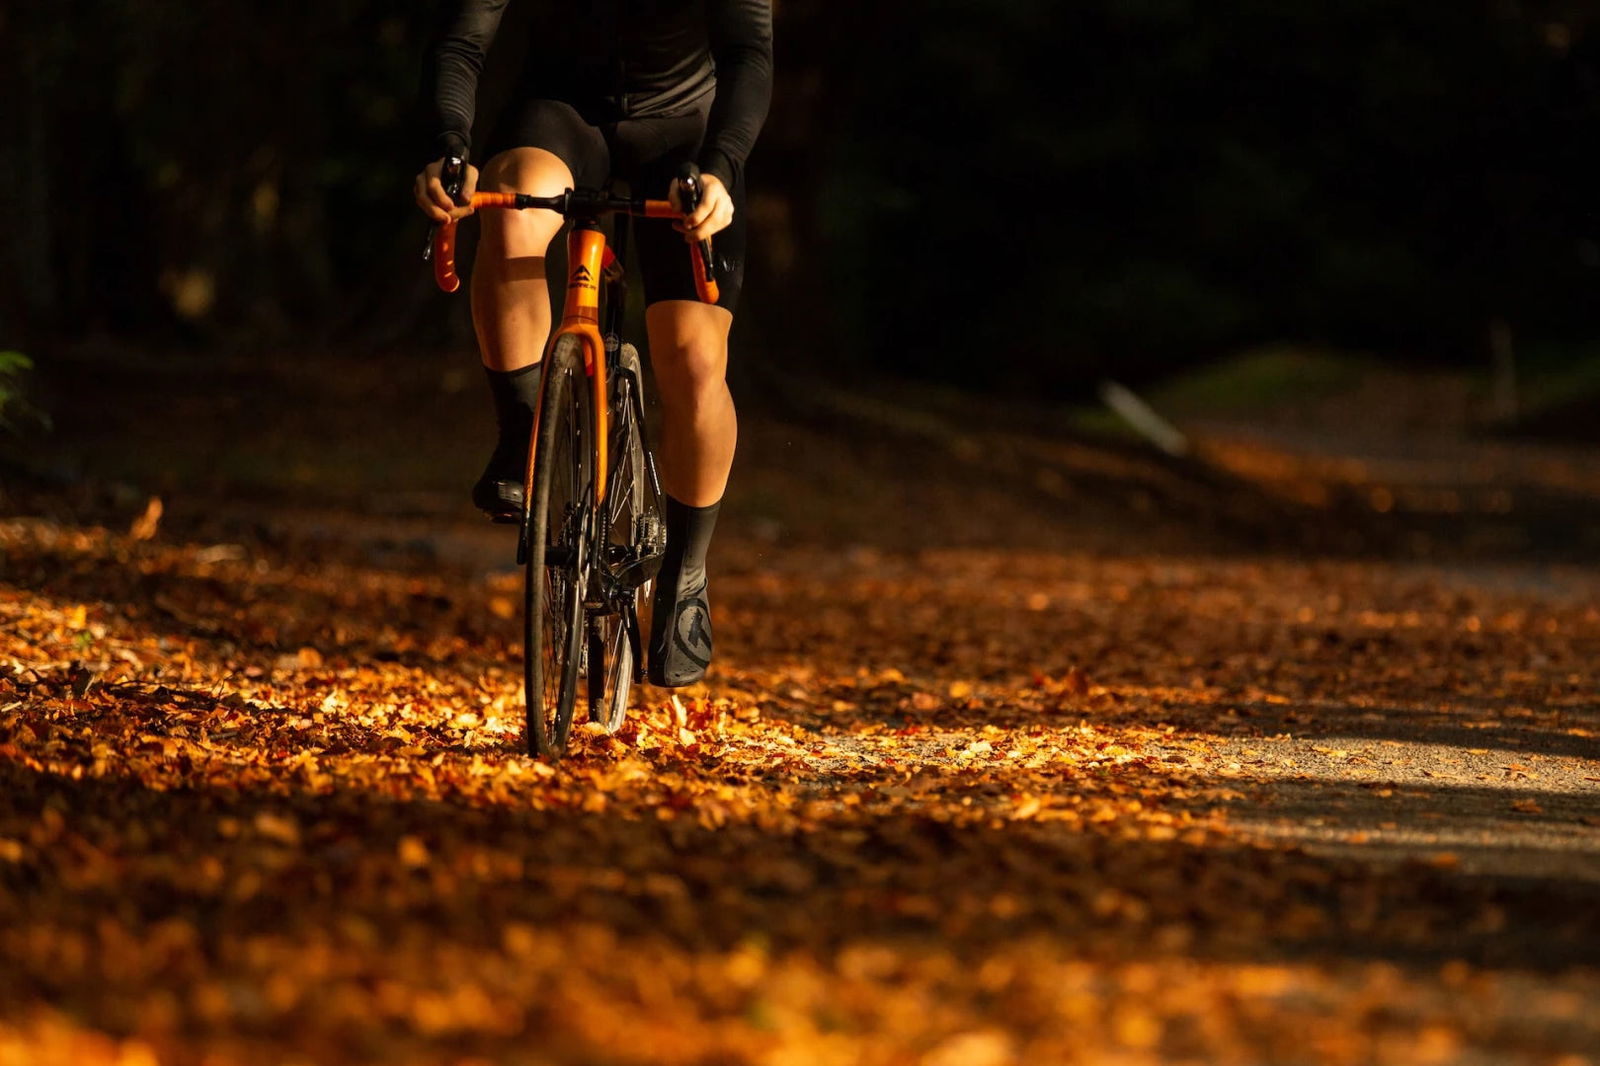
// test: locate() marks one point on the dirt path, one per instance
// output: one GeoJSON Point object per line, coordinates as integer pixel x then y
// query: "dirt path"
{"type": "Point", "coordinates": [970, 786]}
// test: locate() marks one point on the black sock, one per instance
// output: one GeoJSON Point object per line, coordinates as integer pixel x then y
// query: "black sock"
{"type": "Point", "coordinates": [515, 393]}
{"type": "Point", "coordinates": [689, 532]}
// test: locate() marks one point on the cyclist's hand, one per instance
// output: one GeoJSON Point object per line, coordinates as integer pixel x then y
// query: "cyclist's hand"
{"type": "Point", "coordinates": [434, 201]}
{"type": "Point", "coordinates": [713, 214]}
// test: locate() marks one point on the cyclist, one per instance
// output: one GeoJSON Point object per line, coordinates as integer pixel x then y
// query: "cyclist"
{"type": "Point", "coordinates": [627, 89]}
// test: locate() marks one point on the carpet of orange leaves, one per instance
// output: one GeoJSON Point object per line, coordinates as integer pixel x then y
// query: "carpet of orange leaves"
{"type": "Point", "coordinates": [948, 808]}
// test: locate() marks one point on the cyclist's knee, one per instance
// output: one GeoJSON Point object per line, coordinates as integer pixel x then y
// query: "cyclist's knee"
{"type": "Point", "coordinates": [688, 347]}
{"type": "Point", "coordinates": [529, 170]}
{"type": "Point", "coordinates": [694, 371]}
{"type": "Point", "coordinates": [522, 234]}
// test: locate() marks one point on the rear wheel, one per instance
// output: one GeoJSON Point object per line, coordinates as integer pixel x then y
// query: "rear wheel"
{"type": "Point", "coordinates": [611, 670]}
{"type": "Point", "coordinates": [557, 552]}
{"type": "Point", "coordinates": [634, 538]}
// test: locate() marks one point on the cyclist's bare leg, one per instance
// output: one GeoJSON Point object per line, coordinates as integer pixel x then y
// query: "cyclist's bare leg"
{"type": "Point", "coordinates": [511, 314]}
{"type": "Point", "coordinates": [510, 293]}
{"type": "Point", "coordinates": [689, 353]}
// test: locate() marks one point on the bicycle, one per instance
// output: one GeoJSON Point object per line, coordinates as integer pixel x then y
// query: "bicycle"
{"type": "Point", "coordinates": [591, 534]}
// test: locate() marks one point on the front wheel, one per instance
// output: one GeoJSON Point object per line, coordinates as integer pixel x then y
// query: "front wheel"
{"type": "Point", "coordinates": [557, 554]}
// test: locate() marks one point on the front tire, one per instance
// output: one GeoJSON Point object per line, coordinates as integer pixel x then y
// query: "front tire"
{"type": "Point", "coordinates": [557, 551]}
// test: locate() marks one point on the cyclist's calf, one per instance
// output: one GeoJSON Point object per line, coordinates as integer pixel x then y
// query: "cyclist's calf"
{"type": "Point", "coordinates": [689, 354]}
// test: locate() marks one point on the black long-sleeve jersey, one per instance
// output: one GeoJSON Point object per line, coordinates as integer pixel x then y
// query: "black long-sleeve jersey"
{"type": "Point", "coordinates": [620, 59]}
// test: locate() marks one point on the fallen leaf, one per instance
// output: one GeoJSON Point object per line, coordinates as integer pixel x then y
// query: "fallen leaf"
{"type": "Point", "coordinates": [149, 521]}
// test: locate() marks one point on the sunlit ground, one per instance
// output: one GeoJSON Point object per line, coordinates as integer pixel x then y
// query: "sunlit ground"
{"type": "Point", "coordinates": [1099, 799]}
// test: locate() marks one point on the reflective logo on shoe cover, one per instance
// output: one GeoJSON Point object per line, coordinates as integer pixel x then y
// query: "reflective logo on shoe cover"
{"type": "Point", "coordinates": [693, 631]}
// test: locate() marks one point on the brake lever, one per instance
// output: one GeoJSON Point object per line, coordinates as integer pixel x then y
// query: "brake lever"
{"type": "Point", "coordinates": [452, 175]}
{"type": "Point", "coordinates": [693, 189]}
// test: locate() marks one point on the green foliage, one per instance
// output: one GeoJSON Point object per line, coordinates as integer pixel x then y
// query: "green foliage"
{"type": "Point", "coordinates": [16, 410]}
{"type": "Point", "coordinates": [1557, 391]}
{"type": "Point", "coordinates": [1254, 381]}
{"type": "Point", "coordinates": [1243, 386]}
{"type": "Point", "coordinates": [1566, 383]}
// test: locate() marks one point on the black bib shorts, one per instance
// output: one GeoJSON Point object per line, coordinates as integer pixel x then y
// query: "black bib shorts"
{"type": "Point", "coordinates": [645, 152]}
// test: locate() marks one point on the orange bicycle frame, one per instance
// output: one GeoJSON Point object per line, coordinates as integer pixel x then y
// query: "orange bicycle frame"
{"type": "Point", "coordinates": [587, 259]}
{"type": "Point", "coordinates": [586, 252]}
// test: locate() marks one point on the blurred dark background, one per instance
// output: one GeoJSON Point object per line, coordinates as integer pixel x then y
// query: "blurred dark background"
{"type": "Point", "coordinates": [1114, 186]}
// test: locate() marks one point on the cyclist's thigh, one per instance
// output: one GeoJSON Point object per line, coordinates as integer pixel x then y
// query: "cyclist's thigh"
{"type": "Point", "coordinates": [541, 147]}
{"type": "Point", "coordinates": [558, 128]}
{"type": "Point", "coordinates": [648, 152]}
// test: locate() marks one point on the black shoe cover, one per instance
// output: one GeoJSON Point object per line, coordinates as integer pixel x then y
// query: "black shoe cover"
{"type": "Point", "coordinates": [499, 490]}
{"type": "Point", "coordinates": [680, 637]}
{"type": "Point", "coordinates": [680, 625]}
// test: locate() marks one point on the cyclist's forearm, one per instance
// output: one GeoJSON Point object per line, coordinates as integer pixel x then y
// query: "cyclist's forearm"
{"type": "Point", "coordinates": [450, 88]}
{"type": "Point", "coordinates": [741, 44]}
